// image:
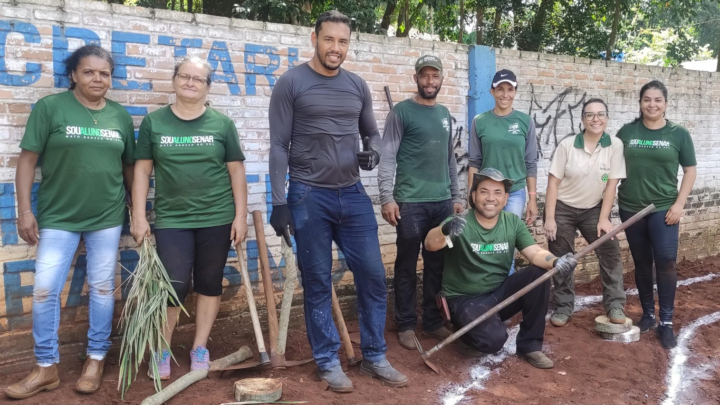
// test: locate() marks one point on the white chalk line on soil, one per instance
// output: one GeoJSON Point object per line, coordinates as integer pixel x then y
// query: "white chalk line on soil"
{"type": "Point", "coordinates": [678, 374]}
{"type": "Point", "coordinates": [483, 370]}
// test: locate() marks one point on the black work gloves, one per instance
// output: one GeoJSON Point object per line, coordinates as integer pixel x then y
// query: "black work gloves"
{"type": "Point", "coordinates": [367, 159]}
{"type": "Point", "coordinates": [455, 226]}
{"type": "Point", "coordinates": [565, 265]}
{"type": "Point", "coordinates": [280, 219]}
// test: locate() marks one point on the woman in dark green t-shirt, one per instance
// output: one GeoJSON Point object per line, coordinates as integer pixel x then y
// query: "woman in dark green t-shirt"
{"type": "Point", "coordinates": [654, 149]}
{"type": "Point", "coordinates": [200, 198]}
{"type": "Point", "coordinates": [86, 142]}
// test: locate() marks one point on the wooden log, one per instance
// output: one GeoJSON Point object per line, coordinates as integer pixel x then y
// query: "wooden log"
{"type": "Point", "coordinates": [288, 292]}
{"type": "Point", "coordinates": [194, 376]}
{"type": "Point", "coordinates": [261, 390]}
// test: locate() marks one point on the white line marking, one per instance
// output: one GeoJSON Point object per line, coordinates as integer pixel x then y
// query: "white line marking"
{"type": "Point", "coordinates": [482, 371]}
{"type": "Point", "coordinates": [677, 377]}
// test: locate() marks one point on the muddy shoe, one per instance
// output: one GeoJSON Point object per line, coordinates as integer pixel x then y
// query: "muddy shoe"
{"type": "Point", "coordinates": [336, 379]}
{"type": "Point", "coordinates": [466, 350]}
{"type": "Point", "coordinates": [537, 359]}
{"type": "Point", "coordinates": [39, 379]}
{"type": "Point", "coordinates": [440, 333]}
{"type": "Point", "coordinates": [646, 323]}
{"type": "Point", "coordinates": [666, 336]}
{"type": "Point", "coordinates": [383, 371]}
{"type": "Point", "coordinates": [559, 320]}
{"type": "Point", "coordinates": [407, 339]}
{"type": "Point", "coordinates": [616, 315]}
{"type": "Point", "coordinates": [91, 376]}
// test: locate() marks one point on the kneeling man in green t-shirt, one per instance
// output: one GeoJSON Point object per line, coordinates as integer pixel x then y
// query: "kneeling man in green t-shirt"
{"type": "Point", "coordinates": [476, 279]}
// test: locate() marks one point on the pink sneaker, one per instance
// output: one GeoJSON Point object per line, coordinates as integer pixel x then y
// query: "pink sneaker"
{"type": "Point", "coordinates": [199, 359]}
{"type": "Point", "coordinates": [163, 364]}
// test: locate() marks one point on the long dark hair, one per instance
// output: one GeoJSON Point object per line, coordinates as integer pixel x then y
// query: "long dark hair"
{"type": "Point", "coordinates": [72, 62]}
{"type": "Point", "coordinates": [591, 101]}
{"type": "Point", "coordinates": [655, 84]}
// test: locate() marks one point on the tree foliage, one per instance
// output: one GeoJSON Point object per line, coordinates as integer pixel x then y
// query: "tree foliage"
{"type": "Point", "coordinates": [672, 30]}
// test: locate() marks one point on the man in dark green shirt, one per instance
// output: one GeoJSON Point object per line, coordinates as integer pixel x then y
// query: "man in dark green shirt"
{"type": "Point", "coordinates": [418, 154]}
{"type": "Point", "coordinates": [476, 278]}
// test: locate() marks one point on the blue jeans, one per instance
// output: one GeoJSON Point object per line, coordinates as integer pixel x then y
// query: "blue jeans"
{"type": "Point", "coordinates": [344, 215]}
{"type": "Point", "coordinates": [52, 265]}
{"type": "Point", "coordinates": [651, 240]}
{"type": "Point", "coordinates": [516, 205]}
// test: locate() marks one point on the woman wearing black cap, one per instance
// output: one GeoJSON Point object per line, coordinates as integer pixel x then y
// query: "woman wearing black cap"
{"type": "Point", "coordinates": [504, 138]}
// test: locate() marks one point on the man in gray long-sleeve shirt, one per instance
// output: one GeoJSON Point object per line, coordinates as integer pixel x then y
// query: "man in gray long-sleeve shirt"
{"type": "Point", "coordinates": [418, 142]}
{"type": "Point", "coordinates": [318, 113]}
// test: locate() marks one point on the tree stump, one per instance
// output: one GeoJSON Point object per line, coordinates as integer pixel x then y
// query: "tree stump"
{"type": "Point", "coordinates": [258, 389]}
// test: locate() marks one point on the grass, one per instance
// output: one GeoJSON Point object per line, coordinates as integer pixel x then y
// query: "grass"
{"type": "Point", "coordinates": [144, 316]}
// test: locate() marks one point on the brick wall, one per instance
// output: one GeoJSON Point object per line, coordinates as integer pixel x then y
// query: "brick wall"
{"type": "Point", "coordinates": [248, 56]}
{"type": "Point", "coordinates": [552, 90]}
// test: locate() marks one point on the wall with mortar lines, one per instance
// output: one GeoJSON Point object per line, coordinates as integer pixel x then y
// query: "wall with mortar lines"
{"type": "Point", "coordinates": [552, 89]}
{"type": "Point", "coordinates": [248, 56]}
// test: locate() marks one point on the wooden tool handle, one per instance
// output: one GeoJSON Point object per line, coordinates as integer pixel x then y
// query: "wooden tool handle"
{"type": "Point", "coordinates": [242, 261]}
{"type": "Point", "coordinates": [497, 308]}
{"type": "Point", "coordinates": [342, 328]}
{"type": "Point", "coordinates": [266, 280]}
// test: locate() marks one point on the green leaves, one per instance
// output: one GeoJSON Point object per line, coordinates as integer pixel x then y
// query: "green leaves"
{"type": "Point", "coordinates": [144, 317]}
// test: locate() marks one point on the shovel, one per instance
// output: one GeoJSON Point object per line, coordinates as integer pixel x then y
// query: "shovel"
{"type": "Point", "coordinates": [426, 354]}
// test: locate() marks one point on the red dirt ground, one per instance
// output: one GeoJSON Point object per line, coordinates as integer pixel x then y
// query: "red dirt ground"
{"type": "Point", "coordinates": [595, 371]}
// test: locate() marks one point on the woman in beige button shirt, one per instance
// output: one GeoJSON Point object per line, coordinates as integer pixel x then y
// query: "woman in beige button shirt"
{"type": "Point", "coordinates": [583, 178]}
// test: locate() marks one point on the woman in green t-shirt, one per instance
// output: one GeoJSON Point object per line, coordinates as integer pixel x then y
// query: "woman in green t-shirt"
{"type": "Point", "coordinates": [86, 142]}
{"type": "Point", "coordinates": [654, 149]}
{"type": "Point", "coordinates": [200, 198]}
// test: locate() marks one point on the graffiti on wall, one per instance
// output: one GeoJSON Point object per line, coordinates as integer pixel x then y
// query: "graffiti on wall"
{"type": "Point", "coordinates": [547, 117]}
{"type": "Point", "coordinates": [218, 56]}
{"type": "Point", "coordinates": [258, 61]}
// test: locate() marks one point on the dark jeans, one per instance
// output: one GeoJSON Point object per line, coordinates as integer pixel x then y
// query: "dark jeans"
{"type": "Point", "coordinates": [490, 336]}
{"type": "Point", "coordinates": [611, 271]}
{"type": "Point", "coordinates": [652, 240]}
{"type": "Point", "coordinates": [416, 220]}
{"type": "Point", "coordinates": [344, 215]}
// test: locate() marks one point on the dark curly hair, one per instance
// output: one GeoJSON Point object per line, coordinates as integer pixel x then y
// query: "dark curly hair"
{"type": "Point", "coordinates": [72, 62]}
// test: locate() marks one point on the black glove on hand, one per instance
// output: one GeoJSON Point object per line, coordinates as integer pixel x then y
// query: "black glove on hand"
{"type": "Point", "coordinates": [368, 159]}
{"type": "Point", "coordinates": [454, 227]}
{"type": "Point", "coordinates": [566, 264]}
{"type": "Point", "coordinates": [280, 219]}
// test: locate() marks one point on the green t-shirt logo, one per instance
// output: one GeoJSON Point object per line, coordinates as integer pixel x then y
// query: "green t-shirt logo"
{"type": "Point", "coordinates": [604, 178]}
{"type": "Point", "coordinates": [446, 124]}
{"type": "Point", "coordinates": [92, 133]}
{"type": "Point", "coordinates": [640, 143]}
{"type": "Point", "coordinates": [490, 248]}
{"type": "Point", "coordinates": [514, 128]}
{"type": "Point", "coordinates": [186, 140]}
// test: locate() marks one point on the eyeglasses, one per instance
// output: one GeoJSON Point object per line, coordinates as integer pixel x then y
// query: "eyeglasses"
{"type": "Point", "coordinates": [591, 116]}
{"type": "Point", "coordinates": [184, 78]}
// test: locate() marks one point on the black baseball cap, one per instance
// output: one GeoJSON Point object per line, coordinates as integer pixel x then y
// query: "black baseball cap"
{"type": "Point", "coordinates": [489, 173]}
{"type": "Point", "coordinates": [504, 76]}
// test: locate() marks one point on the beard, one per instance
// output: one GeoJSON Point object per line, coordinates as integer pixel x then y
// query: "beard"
{"type": "Point", "coordinates": [325, 64]}
{"type": "Point", "coordinates": [428, 96]}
